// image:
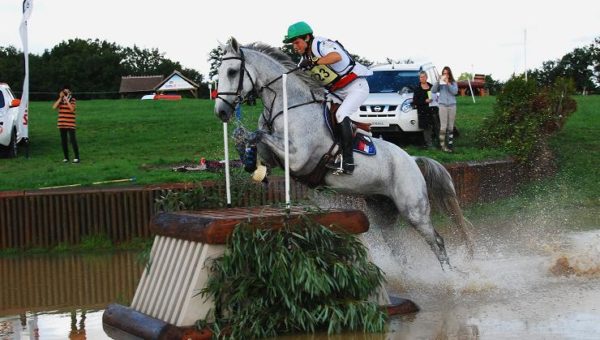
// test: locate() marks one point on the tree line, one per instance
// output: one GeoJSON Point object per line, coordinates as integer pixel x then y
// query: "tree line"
{"type": "Point", "coordinates": [582, 66]}
{"type": "Point", "coordinates": [92, 67]}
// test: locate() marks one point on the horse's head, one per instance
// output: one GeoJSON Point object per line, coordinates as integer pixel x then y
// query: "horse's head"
{"type": "Point", "coordinates": [236, 81]}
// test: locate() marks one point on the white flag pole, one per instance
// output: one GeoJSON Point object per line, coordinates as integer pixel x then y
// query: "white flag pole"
{"type": "Point", "coordinates": [286, 143]}
{"type": "Point", "coordinates": [227, 183]}
{"type": "Point", "coordinates": [24, 106]}
{"type": "Point", "coordinates": [471, 88]}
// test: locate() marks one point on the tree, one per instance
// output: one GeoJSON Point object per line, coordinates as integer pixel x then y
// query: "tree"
{"type": "Point", "coordinates": [399, 61]}
{"type": "Point", "coordinates": [493, 86]}
{"type": "Point", "coordinates": [214, 58]}
{"type": "Point", "coordinates": [582, 65]}
{"type": "Point", "coordinates": [465, 76]}
{"type": "Point", "coordinates": [11, 67]}
{"type": "Point", "coordinates": [92, 67]}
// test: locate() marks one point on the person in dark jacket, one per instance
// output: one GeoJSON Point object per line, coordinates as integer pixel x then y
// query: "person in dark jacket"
{"type": "Point", "coordinates": [422, 97]}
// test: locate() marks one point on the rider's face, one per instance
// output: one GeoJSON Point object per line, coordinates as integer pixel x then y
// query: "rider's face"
{"type": "Point", "coordinates": [299, 45]}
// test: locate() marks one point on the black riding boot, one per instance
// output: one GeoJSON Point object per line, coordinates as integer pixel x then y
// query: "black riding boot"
{"type": "Point", "coordinates": [347, 166]}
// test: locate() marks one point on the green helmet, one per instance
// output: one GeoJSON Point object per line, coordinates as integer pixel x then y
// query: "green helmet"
{"type": "Point", "coordinates": [297, 30]}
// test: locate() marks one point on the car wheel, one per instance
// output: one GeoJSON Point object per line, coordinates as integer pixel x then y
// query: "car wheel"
{"type": "Point", "coordinates": [10, 151]}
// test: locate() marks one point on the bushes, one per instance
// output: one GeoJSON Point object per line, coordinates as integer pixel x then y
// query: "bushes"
{"type": "Point", "coordinates": [298, 279]}
{"type": "Point", "coordinates": [525, 116]}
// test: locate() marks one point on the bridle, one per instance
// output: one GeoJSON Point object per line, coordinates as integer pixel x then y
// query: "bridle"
{"type": "Point", "coordinates": [240, 98]}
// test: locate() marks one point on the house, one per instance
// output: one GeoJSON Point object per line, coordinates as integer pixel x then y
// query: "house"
{"type": "Point", "coordinates": [177, 82]}
{"type": "Point", "coordinates": [140, 85]}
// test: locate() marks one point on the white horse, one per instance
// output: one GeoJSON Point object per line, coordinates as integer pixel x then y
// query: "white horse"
{"type": "Point", "coordinates": [390, 181]}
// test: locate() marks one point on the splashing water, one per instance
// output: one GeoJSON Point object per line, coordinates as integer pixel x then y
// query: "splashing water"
{"type": "Point", "coordinates": [532, 277]}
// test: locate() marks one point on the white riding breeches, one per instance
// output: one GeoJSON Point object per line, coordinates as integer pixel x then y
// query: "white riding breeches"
{"type": "Point", "coordinates": [352, 97]}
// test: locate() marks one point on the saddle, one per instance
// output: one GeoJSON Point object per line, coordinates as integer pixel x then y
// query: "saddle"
{"type": "Point", "coordinates": [362, 142]}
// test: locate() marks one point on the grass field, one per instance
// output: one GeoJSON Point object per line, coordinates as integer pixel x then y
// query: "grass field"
{"type": "Point", "coordinates": [121, 139]}
{"type": "Point", "coordinates": [574, 193]}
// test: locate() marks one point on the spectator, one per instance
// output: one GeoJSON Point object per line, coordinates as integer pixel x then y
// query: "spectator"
{"type": "Point", "coordinates": [422, 97]}
{"type": "Point", "coordinates": [447, 89]}
{"type": "Point", "coordinates": [66, 105]}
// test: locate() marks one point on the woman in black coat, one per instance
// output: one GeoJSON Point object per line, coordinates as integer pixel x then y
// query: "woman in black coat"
{"type": "Point", "coordinates": [421, 99]}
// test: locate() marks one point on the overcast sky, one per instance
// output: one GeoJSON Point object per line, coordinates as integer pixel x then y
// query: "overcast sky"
{"type": "Point", "coordinates": [469, 36]}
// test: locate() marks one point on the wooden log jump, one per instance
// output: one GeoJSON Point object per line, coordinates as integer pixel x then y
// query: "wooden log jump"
{"type": "Point", "coordinates": [166, 304]}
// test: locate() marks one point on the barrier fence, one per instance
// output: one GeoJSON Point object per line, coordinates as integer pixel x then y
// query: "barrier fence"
{"type": "Point", "coordinates": [47, 218]}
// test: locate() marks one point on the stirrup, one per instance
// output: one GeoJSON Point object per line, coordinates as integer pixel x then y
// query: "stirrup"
{"type": "Point", "coordinates": [336, 164]}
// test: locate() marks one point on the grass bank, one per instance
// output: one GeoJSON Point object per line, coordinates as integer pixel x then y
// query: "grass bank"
{"type": "Point", "coordinates": [574, 193]}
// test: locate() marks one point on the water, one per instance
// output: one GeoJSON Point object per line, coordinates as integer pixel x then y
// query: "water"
{"type": "Point", "coordinates": [63, 297]}
{"type": "Point", "coordinates": [531, 278]}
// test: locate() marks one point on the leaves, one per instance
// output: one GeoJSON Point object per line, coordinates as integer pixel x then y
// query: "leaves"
{"type": "Point", "coordinates": [526, 115]}
{"type": "Point", "coordinates": [299, 279]}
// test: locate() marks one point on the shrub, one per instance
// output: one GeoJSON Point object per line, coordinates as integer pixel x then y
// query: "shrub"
{"type": "Point", "coordinates": [297, 279]}
{"type": "Point", "coordinates": [525, 117]}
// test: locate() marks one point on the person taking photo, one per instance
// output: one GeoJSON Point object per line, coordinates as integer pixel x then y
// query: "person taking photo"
{"type": "Point", "coordinates": [66, 105]}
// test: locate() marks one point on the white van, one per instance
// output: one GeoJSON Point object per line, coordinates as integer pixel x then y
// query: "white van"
{"type": "Point", "coordinates": [389, 106]}
{"type": "Point", "coordinates": [10, 124]}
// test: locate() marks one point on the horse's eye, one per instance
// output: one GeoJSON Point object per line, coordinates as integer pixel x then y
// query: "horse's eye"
{"type": "Point", "coordinates": [231, 73]}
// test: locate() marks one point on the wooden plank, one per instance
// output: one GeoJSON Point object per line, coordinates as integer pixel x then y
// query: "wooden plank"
{"type": "Point", "coordinates": [216, 225]}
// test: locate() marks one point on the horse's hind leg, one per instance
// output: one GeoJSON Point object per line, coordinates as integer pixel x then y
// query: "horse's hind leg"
{"type": "Point", "coordinates": [436, 242]}
{"type": "Point", "coordinates": [418, 218]}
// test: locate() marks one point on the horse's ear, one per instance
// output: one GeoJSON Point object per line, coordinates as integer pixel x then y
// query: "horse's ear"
{"type": "Point", "coordinates": [234, 45]}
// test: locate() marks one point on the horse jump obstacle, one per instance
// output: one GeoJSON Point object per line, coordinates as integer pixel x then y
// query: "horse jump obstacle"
{"type": "Point", "coordinates": [166, 304]}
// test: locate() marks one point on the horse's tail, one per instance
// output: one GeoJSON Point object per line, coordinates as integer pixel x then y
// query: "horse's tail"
{"type": "Point", "coordinates": [440, 188]}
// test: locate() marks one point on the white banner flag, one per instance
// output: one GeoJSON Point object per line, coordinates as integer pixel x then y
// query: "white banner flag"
{"type": "Point", "coordinates": [23, 108]}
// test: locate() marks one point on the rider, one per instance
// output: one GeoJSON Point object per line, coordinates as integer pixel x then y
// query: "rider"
{"type": "Point", "coordinates": [343, 77]}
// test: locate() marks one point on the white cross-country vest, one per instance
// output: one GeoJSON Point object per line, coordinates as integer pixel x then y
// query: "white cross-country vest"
{"type": "Point", "coordinates": [328, 75]}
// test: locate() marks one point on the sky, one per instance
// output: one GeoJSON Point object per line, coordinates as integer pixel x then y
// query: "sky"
{"type": "Point", "coordinates": [490, 37]}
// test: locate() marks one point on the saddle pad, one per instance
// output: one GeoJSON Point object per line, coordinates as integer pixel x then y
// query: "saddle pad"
{"type": "Point", "coordinates": [364, 144]}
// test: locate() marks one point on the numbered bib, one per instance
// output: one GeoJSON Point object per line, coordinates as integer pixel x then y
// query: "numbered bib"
{"type": "Point", "coordinates": [323, 74]}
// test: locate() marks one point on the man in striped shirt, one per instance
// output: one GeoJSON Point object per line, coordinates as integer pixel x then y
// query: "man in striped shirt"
{"type": "Point", "coordinates": [66, 105]}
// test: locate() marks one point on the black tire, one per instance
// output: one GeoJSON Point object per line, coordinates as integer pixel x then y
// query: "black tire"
{"type": "Point", "coordinates": [10, 151]}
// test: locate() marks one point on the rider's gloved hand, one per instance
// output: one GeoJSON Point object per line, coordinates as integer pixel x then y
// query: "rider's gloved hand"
{"type": "Point", "coordinates": [307, 63]}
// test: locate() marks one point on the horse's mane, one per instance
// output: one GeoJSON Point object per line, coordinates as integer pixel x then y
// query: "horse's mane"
{"type": "Point", "coordinates": [284, 60]}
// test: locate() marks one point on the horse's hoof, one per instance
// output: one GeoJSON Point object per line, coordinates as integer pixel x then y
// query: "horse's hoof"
{"type": "Point", "coordinates": [260, 173]}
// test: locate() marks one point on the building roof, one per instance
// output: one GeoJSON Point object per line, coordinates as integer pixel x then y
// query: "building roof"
{"type": "Point", "coordinates": [131, 84]}
{"type": "Point", "coordinates": [176, 82]}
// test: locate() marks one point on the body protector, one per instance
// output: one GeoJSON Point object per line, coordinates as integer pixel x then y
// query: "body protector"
{"type": "Point", "coordinates": [328, 75]}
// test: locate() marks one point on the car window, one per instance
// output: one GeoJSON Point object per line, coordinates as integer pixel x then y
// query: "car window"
{"type": "Point", "coordinates": [392, 81]}
{"type": "Point", "coordinates": [2, 103]}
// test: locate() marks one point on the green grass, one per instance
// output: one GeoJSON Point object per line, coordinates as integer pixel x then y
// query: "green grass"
{"type": "Point", "coordinates": [469, 117]}
{"type": "Point", "coordinates": [121, 139]}
{"type": "Point", "coordinates": [118, 139]}
{"type": "Point", "coordinates": [574, 193]}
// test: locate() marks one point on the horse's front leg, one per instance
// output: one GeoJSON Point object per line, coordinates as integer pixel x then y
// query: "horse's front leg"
{"type": "Point", "coordinates": [275, 144]}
